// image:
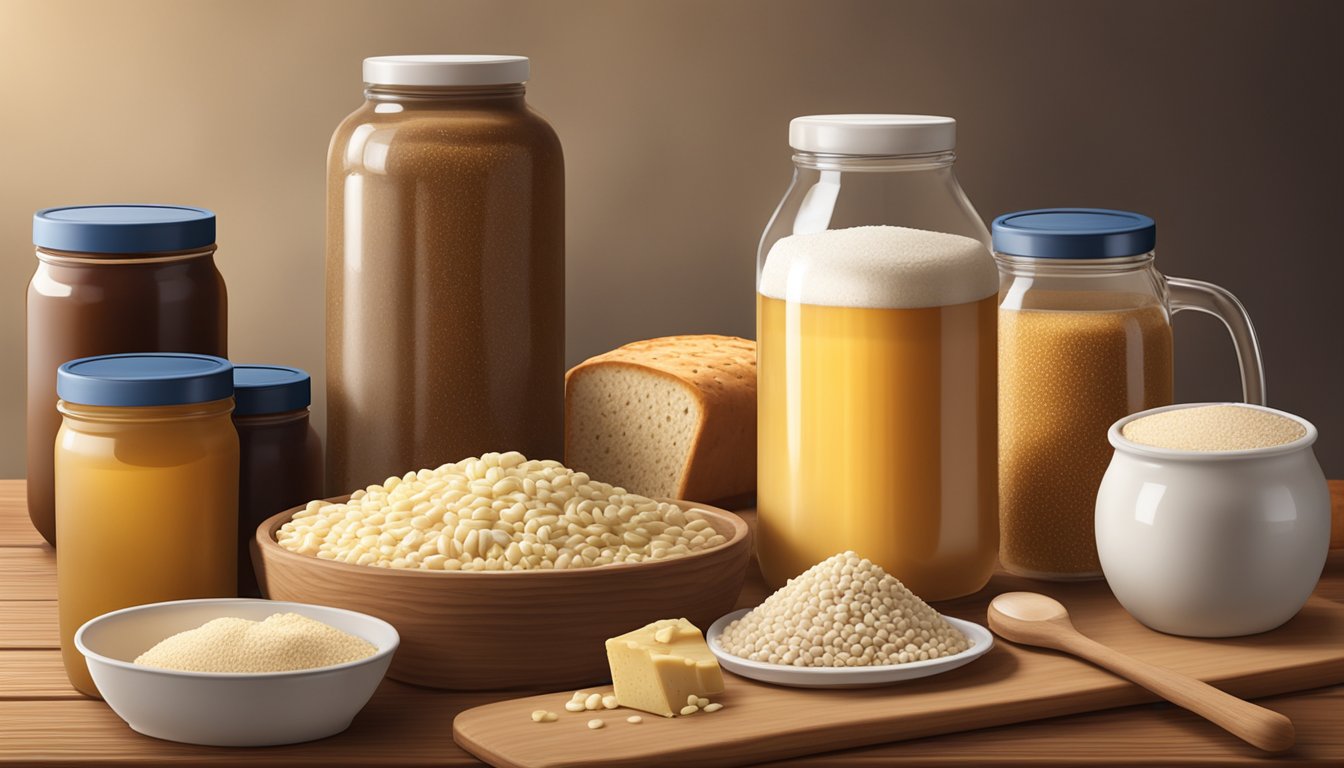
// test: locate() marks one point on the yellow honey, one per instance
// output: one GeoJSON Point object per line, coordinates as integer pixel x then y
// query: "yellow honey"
{"type": "Point", "coordinates": [146, 511]}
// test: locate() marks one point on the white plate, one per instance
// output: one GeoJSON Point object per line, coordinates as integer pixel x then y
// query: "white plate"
{"type": "Point", "coordinates": [847, 677]}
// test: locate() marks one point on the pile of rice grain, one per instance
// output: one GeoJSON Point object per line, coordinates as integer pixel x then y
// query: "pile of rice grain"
{"type": "Point", "coordinates": [499, 512]}
{"type": "Point", "coordinates": [843, 612]}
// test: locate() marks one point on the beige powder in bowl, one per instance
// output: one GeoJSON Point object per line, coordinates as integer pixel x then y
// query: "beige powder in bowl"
{"type": "Point", "coordinates": [1213, 428]}
{"type": "Point", "coordinates": [282, 643]}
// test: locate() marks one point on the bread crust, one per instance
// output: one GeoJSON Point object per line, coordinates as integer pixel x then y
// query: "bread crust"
{"type": "Point", "coordinates": [721, 372]}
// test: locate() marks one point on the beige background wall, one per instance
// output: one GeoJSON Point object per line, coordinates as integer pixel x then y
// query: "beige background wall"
{"type": "Point", "coordinates": [1225, 121]}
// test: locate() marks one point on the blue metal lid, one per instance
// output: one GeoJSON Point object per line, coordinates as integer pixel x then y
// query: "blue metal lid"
{"type": "Point", "coordinates": [1074, 233]}
{"type": "Point", "coordinates": [263, 389]}
{"type": "Point", "coordinates": [123, 228]}
{"type": "Point", "coordinates": [145, 379]}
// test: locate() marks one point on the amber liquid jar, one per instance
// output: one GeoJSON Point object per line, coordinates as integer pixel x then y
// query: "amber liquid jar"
{"type": "Point", "coordinates": [146, 488]}
{"type": "Point", "coordinates": [112, 279]}
{"type": "Point", "coordinates": [280, 454]}
{"type": "Point", "coordinates": [445, 271]}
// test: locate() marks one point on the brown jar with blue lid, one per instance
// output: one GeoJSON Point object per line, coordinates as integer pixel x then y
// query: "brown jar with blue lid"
{"type": "Point", "coordinates": [280, 453]}
{"type": "Point", "coordinates": [113, 279]}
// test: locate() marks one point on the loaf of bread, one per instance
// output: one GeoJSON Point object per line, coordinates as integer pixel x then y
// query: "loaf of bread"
{"type": "Point", "coordinates": [673, 417]}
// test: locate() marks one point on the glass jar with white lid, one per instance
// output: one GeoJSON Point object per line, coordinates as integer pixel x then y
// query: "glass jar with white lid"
{"type": "Point", "coordinates": [876, 352]}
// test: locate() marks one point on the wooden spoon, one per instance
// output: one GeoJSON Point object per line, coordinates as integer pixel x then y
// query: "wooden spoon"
{"type": "Point", "coordinates": [1033, 619]}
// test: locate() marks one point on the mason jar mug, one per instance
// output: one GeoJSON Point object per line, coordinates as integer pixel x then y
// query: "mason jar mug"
{"type": "Point", "coordinates": [1084, 339]}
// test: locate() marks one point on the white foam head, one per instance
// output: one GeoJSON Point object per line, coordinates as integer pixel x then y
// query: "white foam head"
{"type": "Point", "coordinates": [879, 268]}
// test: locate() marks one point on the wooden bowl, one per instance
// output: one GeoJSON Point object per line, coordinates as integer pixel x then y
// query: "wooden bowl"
{"type": "Point", "coordinates": [492, 630]}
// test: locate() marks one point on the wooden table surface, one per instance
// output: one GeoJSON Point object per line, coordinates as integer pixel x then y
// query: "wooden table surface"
{"type": "Point", "coordinates": [43, 721]}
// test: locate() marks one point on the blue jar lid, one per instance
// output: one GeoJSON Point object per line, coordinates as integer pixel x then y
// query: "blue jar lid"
{"type": "Point", "coordinates": [123, 228]}
{"type": "Point", "coordinates": [264, 389]}
{"type": "Point", "coordinates": [145, 379]}
{"type": "Point", "coordinates": [1074, 233]}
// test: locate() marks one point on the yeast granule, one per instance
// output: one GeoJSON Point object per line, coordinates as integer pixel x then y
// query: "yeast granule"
{"type": "Point", "coordinates": [1213, 428]}
{"type": "Point", "coordinates": [282, 643]}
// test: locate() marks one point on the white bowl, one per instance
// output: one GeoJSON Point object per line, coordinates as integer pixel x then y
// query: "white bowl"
{"type": "Point", "coordinates": [229, 710]}
{"type": "Point", "coordinates": [1212, 543]}
{"type": "Point", "coordinates": [846, 677]}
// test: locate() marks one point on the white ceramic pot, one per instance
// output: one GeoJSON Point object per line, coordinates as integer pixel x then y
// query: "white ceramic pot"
{"type": "Point", "coordinates": [1213, 544]}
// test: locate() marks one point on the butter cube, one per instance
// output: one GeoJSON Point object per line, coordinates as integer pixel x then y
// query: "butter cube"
{"type": "Point", "coordinates": [655, 668]}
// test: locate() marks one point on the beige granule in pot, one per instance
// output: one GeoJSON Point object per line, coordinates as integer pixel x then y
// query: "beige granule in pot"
{"type": "Point", "coordinates": [842, 612]}
{"type": "Point", "coordinates": [1213, 428]}
{"type": "Point", "coordinates": [283, 642]}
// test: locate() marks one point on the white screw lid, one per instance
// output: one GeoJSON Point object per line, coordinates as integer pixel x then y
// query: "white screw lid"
{"type": "Point", "coordinates": [873, 134]}
{"type": "Point", "coordinates": [446, 70]}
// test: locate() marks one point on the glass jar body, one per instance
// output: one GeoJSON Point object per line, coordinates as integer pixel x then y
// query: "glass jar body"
{"type": "Point", "coordinates": [445, 283]}
{"type": "Point", "coordinates": [1082, 343]}
{"type": "Point", "coordinates": [146, 511]}
{"type": "Point", "coordinates": [280, 466]}
{"type": "Point", "coordinates": [80, 305]}
{"type": "Point", "coordinates": [876, 424]}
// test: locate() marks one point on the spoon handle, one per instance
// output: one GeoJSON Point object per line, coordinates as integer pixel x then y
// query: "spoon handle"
{"type": "Point", "coordinates": [1254, 724]}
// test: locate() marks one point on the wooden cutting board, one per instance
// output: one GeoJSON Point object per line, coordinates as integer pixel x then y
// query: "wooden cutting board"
{"type": "Point", "coordinates": [1010, 684]}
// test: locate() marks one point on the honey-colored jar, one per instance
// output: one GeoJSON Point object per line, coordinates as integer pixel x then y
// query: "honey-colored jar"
{"type": "Point", "coordinates": [146, 468]}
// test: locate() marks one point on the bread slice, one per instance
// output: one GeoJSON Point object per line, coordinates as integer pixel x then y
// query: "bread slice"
{"type": "Point", "coordinates": [673, 417]}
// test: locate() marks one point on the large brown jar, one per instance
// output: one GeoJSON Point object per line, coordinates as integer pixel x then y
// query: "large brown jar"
{"type": "Point", "coordinates": [445, 271]}
{"type": "Point", "coordinates": [112, 279]}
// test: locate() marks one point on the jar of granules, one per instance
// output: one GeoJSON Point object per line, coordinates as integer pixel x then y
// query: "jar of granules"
{"type": "Point", "coordinates": [280, 454]}
{"type": "Point", "coordinates": [146, 471]}
{"type": "Point", "coordinates": [1084, 339]}
{"type": "Point", "coordinates": [445, 270]}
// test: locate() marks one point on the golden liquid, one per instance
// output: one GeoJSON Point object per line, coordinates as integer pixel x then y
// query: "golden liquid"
{"type": "Point", "coordinates": [1066, 375]}
{"type": "Point", "coordinates": [146, 511]}
{"type": "Point", "coordinates": [877, 433]}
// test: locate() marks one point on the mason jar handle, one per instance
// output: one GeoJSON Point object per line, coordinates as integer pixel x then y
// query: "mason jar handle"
{"type": "Point", "coordinates": [1219, 302]}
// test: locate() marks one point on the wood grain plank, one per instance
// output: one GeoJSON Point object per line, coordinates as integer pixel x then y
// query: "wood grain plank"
{"type": "Point", "coordinates": [403, 726]}
{"type": "Point", "coordinates": [1337, 514]}
{"type": "Point", "coordinates": [29, 625]}
{"type": "Point", "coordinates": [15, 527]}
{"type": "Point", "coordinates": [27, 573]}
{"type": "Point", "coordinates": [1331, 585]}
{"type": "Point", "coordinates": [407, 726]}
{"type": "Point", "coordinates": [1155, 734]}
{"type": "Point", "coordinates": [1009, 685]}
{"type": "Point", "coordinates": [29, 675]}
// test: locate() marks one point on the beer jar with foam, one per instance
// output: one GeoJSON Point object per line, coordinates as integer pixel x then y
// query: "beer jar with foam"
{"type": "Point", "coordinates": [876, 304]}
